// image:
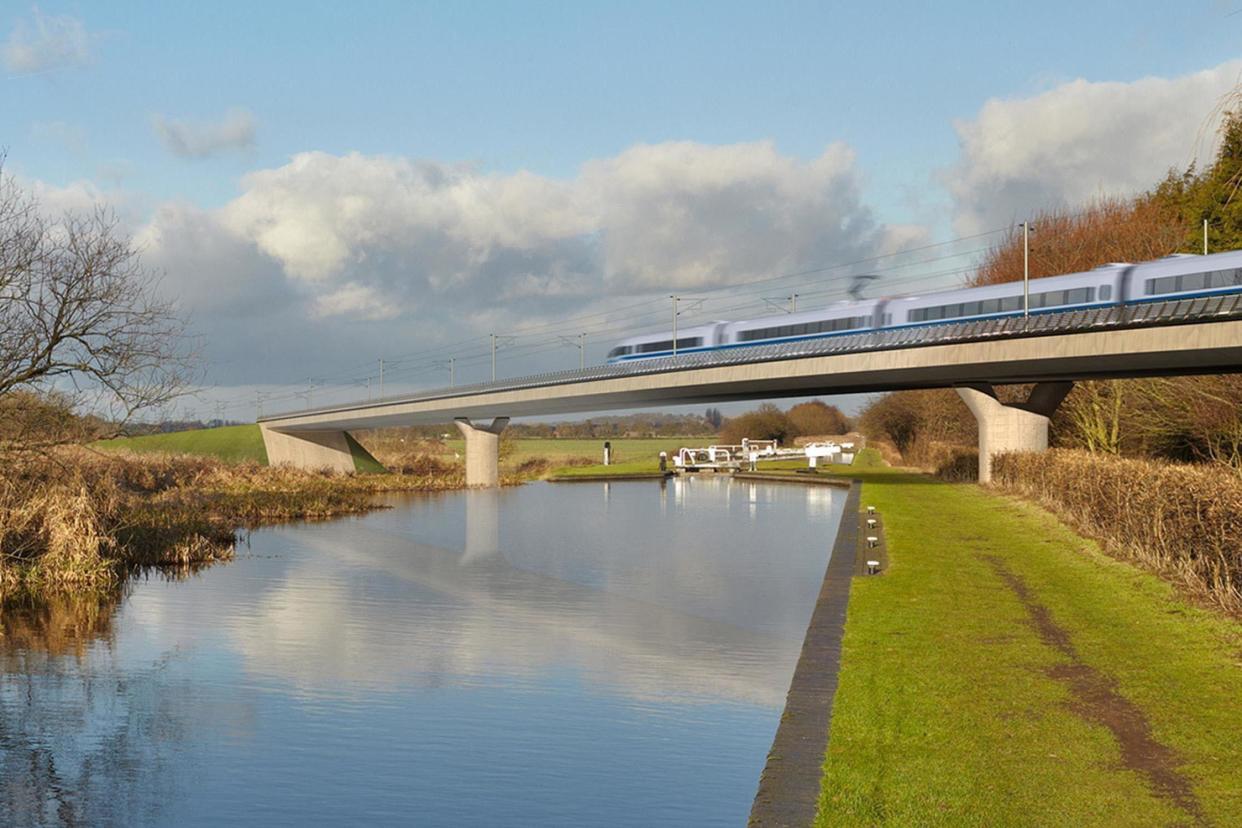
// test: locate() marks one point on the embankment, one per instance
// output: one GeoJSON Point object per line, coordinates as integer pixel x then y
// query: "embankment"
{"type": "Point", "coordinates": [1181, 521]}
{"type": "Point", "coordinates": [1005, 671]}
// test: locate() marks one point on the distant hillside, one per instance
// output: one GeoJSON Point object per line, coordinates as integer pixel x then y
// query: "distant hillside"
{"type": "Point", "coordinates": [230, 443]}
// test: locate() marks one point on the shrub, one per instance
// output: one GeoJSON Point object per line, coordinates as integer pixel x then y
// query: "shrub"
{"type": "Point", "coordinates": [767, 422]}
{"type": "Point", "coordinates": [1182, 521]}
{"type": "Point", "coordinates": [816, 417]}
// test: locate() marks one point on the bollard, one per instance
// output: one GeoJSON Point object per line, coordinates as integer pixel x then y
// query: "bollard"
{"type": "Point", "coordinates": [607, 453]}
{"type": "Point", "coordinates": [873, 567]}
{"type": "Point", "coordinates": [871, 524]}
{"type": "Point", "coordinates": [871, 510]}
{"type": "Point", "coordinates": [872, 541]}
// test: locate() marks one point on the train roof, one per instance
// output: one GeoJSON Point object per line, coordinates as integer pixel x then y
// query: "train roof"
{"type": "Point", "coordinates": [836, 310]}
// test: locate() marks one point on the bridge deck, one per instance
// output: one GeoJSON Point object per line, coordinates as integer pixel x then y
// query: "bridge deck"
{"type": "Point", "coordinates": [1159, 338]}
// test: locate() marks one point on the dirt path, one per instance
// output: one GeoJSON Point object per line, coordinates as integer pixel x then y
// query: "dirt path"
{"type": "Point", "coordinates": [1097, 699]}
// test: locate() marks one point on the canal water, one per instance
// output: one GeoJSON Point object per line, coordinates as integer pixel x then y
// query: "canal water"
{"type": "Point", "coordinates": [585, 654]}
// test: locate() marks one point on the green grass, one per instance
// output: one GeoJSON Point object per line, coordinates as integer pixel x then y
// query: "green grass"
{"type": "Point", "coordinates": [624, 449]}
{"type": "Point", "coordinates": [619, 469]}
{"type": "Point", "coordinates": [364, 463]}
{"type": "Point", "coordinates": [629, 456]}
{"type": "Point", "coordinates": [231, 443]}
{"type": "Point", "coordinates": [948, 712]}
{"type": "Point", "coordinates": [244, 442]}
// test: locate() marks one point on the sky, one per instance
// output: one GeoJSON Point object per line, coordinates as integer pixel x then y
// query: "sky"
{"type": "Point", "coordinates": [322, 185]}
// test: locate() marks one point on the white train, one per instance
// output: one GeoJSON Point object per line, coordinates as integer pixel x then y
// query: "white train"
{"type": "Point", "coordinates": [1178, 276]}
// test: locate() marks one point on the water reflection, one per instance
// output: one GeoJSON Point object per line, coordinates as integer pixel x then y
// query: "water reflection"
{"type": "Point", "coordinates": [534, 656]}
{"type": "Point", "coordinates": [75, 735]}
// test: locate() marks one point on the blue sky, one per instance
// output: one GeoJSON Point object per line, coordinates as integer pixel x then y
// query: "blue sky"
{"type": "Point", "coordinates": [926, 101]}
{"type": "Point", "coordinates": [545, 87]}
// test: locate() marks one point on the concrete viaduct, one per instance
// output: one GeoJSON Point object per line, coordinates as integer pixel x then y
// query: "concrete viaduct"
{"type": "Point", "coordinates": [1051, 350]}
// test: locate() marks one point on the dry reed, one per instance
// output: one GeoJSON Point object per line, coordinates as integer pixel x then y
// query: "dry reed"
{"type": "Point", "coordinates": [76, 519]}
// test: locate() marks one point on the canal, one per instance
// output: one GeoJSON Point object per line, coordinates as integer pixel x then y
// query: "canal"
{"type": "Point", "coordinates": [552, 654]}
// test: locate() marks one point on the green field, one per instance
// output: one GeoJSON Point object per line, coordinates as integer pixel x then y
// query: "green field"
{"type": "Point", "coordinates": [1004, 671]}
{"type": "Point", "coordinates": [243, 442]}
{"type": "Point", "coordinates": [231, 443]}
{"type": "Point", "coordinates": [624, 450]}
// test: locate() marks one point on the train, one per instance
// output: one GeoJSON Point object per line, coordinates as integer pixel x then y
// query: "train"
{"type": "Point", "coordinates": [1179, 276]}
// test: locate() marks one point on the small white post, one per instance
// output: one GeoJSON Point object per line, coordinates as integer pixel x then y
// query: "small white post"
{"type": "Point", "coordinates": [1205, 246]}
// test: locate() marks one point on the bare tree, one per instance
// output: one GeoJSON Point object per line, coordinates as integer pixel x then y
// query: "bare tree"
{"type": "Point", "coordinates": [81, 319]}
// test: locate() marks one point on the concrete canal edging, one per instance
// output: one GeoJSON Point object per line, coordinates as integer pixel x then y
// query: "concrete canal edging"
{"type": "Point", "coordinates": [789, 786]}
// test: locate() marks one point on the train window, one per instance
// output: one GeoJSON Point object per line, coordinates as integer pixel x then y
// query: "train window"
{"type": "Point", "coordinates": [1011, 303]}
{"type": "Point", "coordinates": [1165, 284]}
{"type": "Point", "coordinates": [1225, 278]}
{"type": "Point", "coordinates": [667, 344]}
{"type": "Point", "coordinates": [1106, 292]}
{"type": "Point", "coordinates": [822, 326]}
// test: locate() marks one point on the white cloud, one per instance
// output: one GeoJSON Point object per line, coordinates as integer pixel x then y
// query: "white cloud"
{"type": "Point", "coordinates": [47, 42]}
{"type": "Point", "coordinates": [355, 300]}
{"type": "Point", "coordinates": [691, 216]}
{"type": "Point", "coordinates": [1080, 140]}
{"type": "Point", "coordinates": [203, 139]}
{"type": "Point", "coordinates": [656, 217]}
{"type": "Point", "coordinates": [392, 255]}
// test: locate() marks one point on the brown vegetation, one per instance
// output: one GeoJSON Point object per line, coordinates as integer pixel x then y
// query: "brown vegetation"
{"type": "Point", "coordinates": [77, 519]}
{"type": "Point", "coordinates": [817, 417]}
{"type": "Point", "coordinates": [767, 422]}
{"type": "Point", "coordinates": [1106, 230]}
{"type": "Point", "coordinates": [929, 429]}
{"type": "Point", "coordinates": [1182, 521]}
{"type": "Point", "coordinates": [1196, 419]}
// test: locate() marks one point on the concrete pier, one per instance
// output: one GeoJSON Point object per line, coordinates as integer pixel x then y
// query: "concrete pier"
{"type": "Point", "coordinates": [1012, 426]}
{"type": "Point", "coordinates": [309, 449]}
{"type": "Point", "coordinates": [482, 450]}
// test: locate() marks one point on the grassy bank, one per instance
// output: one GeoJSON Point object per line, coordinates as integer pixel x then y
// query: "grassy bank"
{"type": "Point", "coordinates": [231, 444]}
{"type": "Point", "coordinates": [1004, 671]}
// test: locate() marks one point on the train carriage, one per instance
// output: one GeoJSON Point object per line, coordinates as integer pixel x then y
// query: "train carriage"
{"type": "Point", "coordinates": [1173, 277]}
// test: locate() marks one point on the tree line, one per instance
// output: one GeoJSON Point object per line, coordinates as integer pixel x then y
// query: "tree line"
{"type": "Point", "coordinates": [1191, 419]}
